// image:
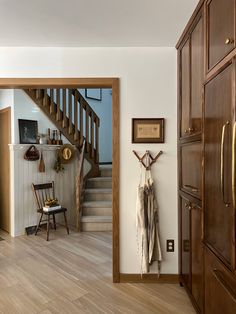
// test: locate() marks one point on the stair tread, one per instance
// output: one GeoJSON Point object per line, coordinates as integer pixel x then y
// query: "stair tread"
{"type": "Point", "coordinates": [96, 219]}
{"type": "Point", "coordinates": [100, 179]}
{"type": "Point", "coordinates": [102, 204]}
{"type": "Point", "coordinates": [102, 167]}
{"type": "Point", "coordinates": [97, 190]}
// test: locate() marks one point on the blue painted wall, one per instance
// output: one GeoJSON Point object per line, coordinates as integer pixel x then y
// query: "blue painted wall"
{"type": "Point", "coordinates": [103, 109]}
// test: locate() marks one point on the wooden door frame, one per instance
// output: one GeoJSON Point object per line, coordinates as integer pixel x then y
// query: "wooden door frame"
{"type": "Point", "coordinates": [113, 83]}
{"type": "Point", "coordinates": [8, 110]}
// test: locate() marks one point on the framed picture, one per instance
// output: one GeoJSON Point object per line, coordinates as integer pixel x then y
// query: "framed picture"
{"type": "Point", "coordinates": [93, 93]}
{"type": "Point", "coordinates": [148, 130]}
{"type": "Point", "coordinates": [28, 131]}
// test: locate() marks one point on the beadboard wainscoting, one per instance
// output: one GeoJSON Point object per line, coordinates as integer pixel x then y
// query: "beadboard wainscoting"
{"type": "Point", "coordinates": [24, 173]}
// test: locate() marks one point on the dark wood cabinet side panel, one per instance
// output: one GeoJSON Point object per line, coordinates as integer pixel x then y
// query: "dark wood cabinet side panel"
{"type": "Point", "coordinates": [185, 88]}
{"type": "Point", "coordinates": [197, 76]}
{"type": "Point", "coordinates": [197, 255]}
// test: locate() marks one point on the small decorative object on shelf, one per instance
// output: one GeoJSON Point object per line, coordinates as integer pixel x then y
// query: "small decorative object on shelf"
{"type": "Point", "coordinates": [49, 141]}
{"type": "Point", "coordinates": [60, 140]}
{"type": "Point", "coordinates": [53, 137]}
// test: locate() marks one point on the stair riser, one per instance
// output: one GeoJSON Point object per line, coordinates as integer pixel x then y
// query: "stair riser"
{"type": "Point", "coordinates": [99, 184]}
{"type": "Point", "coordinates": [96, 211]}
{"type": "Point", "coordinates": [97, 197]}
{"type": "Point", "coordinates": [106, 172]}
{"type": "Point", "coordinates": [97, 226]}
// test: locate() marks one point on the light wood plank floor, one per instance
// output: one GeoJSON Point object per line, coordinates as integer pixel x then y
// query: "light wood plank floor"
{"type": "Point", "coordinates": [72, 274]}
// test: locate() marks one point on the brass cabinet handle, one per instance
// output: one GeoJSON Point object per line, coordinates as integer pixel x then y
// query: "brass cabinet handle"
{"type": "Point", "coordinates": [234, 166]}
{"type": "Point", "coordinates": [185, 131]}
{"type": "Point", "coordinates": [222, 163]}
{"type": "Point", "coordinates": [229, 41]}
{"type": "Point", "coordinates": [192, 188]}
{"type": "Point", "coordinates": [190, 130]}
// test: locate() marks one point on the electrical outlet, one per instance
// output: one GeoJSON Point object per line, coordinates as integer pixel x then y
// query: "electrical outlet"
{"type": "Point", "coordinates": [170, 245]}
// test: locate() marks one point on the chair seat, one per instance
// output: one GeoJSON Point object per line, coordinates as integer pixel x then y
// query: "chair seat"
{"type": "Point", "coordinates": [56, 211]}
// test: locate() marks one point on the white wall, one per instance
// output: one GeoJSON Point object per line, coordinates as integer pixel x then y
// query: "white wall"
{"type": "Point", "coordinates": [25, 108]}
{"type": "Point", "coordinates": [147, 89]}
{"type": "Point", "coordinates": [7, 100]}
{"type": "Point", "coordinates": [103, 109]}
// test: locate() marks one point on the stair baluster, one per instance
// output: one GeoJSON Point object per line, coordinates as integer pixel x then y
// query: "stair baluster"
{"type": "Point", "coordinates": [52, 107]}
{"type": "Point", "coordinates": [76, 134]}
{"type": "Point", "coordinates": [58, 117]}
{"type": "Point", "coordinates": [64, 122]}
{"type": "Point", "coordinates": [70, 112]}
{"type": "Point", "coordinates": [92, 134]}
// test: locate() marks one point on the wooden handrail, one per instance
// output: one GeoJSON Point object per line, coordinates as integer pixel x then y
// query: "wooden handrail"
{"type": "Point", "coordinates": [80, 186]}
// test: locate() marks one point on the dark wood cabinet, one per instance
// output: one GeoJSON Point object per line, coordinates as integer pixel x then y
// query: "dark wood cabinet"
{"type": "Point", "coordinates": [192, 73]}
{"type": "Point", "coordinates": [220, 287]}
{"type": "Point", "coordinates": [191, 248]}
{"type": "Point", "coordinates": [207, 157]}
{"type": "Point", "coordinates": [219, 120]}
{"type": "Point", "coordinates": [220, 30]}
{"type": "Point", "coordinates": [191, 164]}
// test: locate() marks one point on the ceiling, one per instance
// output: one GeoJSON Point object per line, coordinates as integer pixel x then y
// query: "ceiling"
{"type": "Point", "coordinates": [93, 23]}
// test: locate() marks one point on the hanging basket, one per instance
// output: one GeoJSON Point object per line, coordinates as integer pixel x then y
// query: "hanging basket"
{"type": "Point", "coordinates": [31, 154]}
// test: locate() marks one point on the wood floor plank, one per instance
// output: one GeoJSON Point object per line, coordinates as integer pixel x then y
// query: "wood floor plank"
{"type": "Point", "coordinates": [72, 274]}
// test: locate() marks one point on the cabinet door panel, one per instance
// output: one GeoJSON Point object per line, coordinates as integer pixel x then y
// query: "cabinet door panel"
{"type": "Point", "coordinates": [197, 74]}
{"type": "Point", "coordinates": [197, 255]}
{"type": "Point", "coordinates": [219, 233]}
{"type": "Point", "coordinates": [185, 88]}
{"type": "Point", "coordinates": [220, 287]}
{"type": "Point", "coordinates": [185, 242]}
{"type": "Point", "coordinates": [220, 17]}
{"type": "Point", "coordinates": [191, 163]}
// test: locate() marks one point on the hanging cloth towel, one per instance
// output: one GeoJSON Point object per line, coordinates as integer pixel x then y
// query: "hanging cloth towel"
{"type": "Point", "coordinates": [154, 247]}
{"type": "Point", "coordinates": [147, 224]}
{"type": "Point", "coordinates": [141, 227]}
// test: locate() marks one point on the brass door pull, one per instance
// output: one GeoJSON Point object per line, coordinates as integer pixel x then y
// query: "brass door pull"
{"type": "Point", "coordinates": [234, 165]}
{"type": "Point", "coordinates": [222, 163]}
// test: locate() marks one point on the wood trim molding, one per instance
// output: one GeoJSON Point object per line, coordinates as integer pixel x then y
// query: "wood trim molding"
{"type": "Point", "coordinates": [149, 278]}
{"type": "Point", "coordinates": [27, 83]}
{"type": "Point", "coordinates": [24, 83]}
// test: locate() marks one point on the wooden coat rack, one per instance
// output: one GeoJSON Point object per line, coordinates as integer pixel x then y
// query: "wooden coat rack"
{"type": "Point", "coordinates": [148, 156]}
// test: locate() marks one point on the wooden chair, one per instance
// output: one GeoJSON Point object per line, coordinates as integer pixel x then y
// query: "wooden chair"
{"type": "Point", "coordinates": [41, 193]}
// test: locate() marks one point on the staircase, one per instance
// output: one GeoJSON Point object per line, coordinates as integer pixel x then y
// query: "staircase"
{"type": "Point", "coordinates": [97, 204]}
{"type": "Point", "coordinates": [72, 115]}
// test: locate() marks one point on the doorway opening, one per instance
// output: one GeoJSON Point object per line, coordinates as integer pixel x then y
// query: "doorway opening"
{"type": "Point", "coordinates": [104, 83]}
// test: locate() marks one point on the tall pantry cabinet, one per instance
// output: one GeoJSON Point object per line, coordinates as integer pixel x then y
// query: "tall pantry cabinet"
{"type": "Point", "coordinates": [207, 157]}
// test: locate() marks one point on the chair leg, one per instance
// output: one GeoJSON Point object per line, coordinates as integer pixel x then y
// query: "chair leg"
{"type": "Point", "coordinates": [48, 224]}
{"type": "Point", "coordinates": [38, 224]}
{"type": "Point", "coordinates": [66, 224]}
{"type": "Point", "coordinates": [54, 221]}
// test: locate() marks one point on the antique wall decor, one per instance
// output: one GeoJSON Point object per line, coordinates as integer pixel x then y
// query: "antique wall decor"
{"type": "Point", "coordinates": [148, 130]}
{"type": "Point", "coordinates": [93, 93]}
{"type": "Point", "coordinates": [31, 154]}
{"type": "Point", "coordinates": [66, 153]}
{"type": "Point", "coordinates": [28, 131]}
